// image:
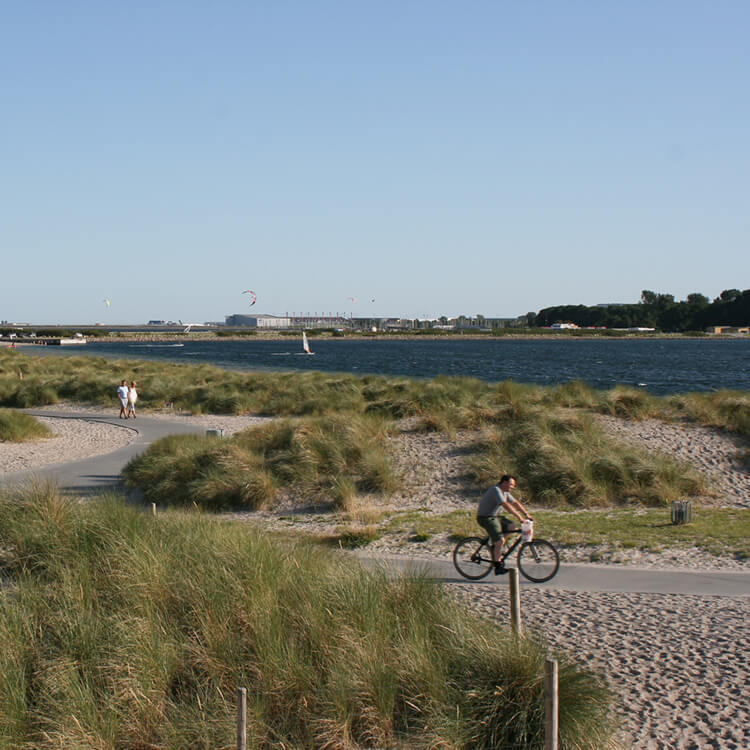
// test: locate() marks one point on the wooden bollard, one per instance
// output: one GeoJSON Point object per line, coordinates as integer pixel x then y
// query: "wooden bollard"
{"type": "Point", "coordinates": [551, 705]}
{"type": "Point", "coordinates": [242, 718]}
{"type": "Point", "coordinates": [515, 600]}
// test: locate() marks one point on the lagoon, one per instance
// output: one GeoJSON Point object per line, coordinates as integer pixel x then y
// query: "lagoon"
{"type": "Point", "coordinates": [660, 366]}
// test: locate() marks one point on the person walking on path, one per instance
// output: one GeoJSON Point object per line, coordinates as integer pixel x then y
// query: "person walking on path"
{"type": "Point", "coordinates": [496, 498]}
{"type": "Point", "coordinates": [122, 394]}
{"type": "Point", "coordinates": [132, 398]}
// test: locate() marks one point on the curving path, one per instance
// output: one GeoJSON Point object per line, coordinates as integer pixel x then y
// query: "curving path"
{"type": "Point", "coordinates": [101, 472]}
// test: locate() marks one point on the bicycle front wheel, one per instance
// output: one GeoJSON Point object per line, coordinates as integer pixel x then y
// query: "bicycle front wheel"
{"type": "Point", "coordinates": [472, 558]}
{"type": "Point", "coordinates": [538, 560]}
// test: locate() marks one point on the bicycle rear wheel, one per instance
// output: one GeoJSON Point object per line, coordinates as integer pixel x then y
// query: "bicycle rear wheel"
{"type": "Point", "coordinates": [538, 560]}
{"type": "Point", "coordinates": [472, 558]}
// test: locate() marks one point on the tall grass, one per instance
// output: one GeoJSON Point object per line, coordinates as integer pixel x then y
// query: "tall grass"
{"type": "Point", "coordinates": [330, 458]}
{"type": "Point", "coordinates": [524, 431]}
{"type": "Point", "coordinates": [124, 630]}
{"type": "Point", "coordinates": [17, 427]}
{"type": "Point", "coordinates": [566, 460]}
{"type": "Point", "coordinates": [447, 402]}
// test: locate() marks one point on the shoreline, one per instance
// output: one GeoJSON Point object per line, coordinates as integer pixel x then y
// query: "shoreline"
{"type": "Point", "coordinates": [206, 336]}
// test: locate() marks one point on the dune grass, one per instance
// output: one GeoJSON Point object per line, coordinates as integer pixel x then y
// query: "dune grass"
{"type": "Point", "coordinates": [330, 459]}
{"type": "Point", "coordinates": [566, 460]}
{"type": "Point", "coordinates": [544, 435]}
{"type": "Point", "coordinates": [17, 427]}
{"type": "Point", "coordinates": [442, 402]}
{"type": "Point", "coordinates": [125, 630]}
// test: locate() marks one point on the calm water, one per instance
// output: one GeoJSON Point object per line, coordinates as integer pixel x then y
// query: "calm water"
{"type": "Point", "coordinates": [659, 366]}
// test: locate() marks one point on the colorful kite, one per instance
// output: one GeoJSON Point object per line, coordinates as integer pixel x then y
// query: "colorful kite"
{"type": "Point", "coordinates": [253, 298]}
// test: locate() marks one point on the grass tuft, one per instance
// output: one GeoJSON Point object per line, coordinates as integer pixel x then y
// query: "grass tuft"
{"type": "Point", "coordinates": [18, 427]}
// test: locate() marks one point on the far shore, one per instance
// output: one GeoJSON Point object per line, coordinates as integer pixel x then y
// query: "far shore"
{"type": "Point", "coordinates": [201, 336]}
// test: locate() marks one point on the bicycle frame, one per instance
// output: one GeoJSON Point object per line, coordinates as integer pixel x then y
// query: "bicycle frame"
{"type": "Point", "coordinates": [508, 549]}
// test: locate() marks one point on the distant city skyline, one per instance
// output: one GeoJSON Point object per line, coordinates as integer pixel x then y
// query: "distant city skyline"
{"type": "Point", "coordinates": [423, 158]}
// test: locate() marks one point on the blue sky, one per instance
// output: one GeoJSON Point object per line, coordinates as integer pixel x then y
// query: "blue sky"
{"type": "Point", "coordinates": [436, 157]}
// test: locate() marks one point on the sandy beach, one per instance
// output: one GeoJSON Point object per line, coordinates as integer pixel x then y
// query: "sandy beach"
{"type": "Point", "coordinates": [677, 663]}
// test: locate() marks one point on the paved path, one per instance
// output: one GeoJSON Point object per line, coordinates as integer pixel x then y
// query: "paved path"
{"type": "Point", "coordinates": [590, 577]}
{"type": "Point", "coordinates": [90, 475]}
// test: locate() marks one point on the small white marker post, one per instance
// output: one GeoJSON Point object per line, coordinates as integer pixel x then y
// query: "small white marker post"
{"type": "Point", "coordinates": [241, 718]}
{"type": "Point", "coordinates": [153, 509]}
{"type": "Point", "coordinates": [551, 705]}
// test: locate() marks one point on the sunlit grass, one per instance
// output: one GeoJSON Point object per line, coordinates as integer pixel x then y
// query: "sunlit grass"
{"type": "Point", "coordinates": [123, 629]}
{"type": "Point", "coordinates": [332, 459]}
{"type": "Point", "coordinates": [719, 531]}
{"type": "Point", "coordinates": [18, 427]}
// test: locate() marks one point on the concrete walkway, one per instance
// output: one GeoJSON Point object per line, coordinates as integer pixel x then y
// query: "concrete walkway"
{"type": "Point", "coordinates": [97, 473]}
{"type": "Point", "coordinates": [590, 577]}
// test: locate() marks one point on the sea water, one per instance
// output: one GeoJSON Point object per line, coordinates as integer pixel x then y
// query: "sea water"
{"type": "Point", "coordinates": [660, 366]}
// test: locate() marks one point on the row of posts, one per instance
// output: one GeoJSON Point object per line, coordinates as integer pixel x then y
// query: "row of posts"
{"type": "Point", "coordinates": [551, 703]}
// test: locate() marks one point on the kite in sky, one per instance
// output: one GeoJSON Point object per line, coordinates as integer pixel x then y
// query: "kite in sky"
{"type": "Point", "coordinates": [352, 299]}
{"type": "Point", "coordinates": [253, 298]}
{"type": "Point", "coordinates": [106, 302]}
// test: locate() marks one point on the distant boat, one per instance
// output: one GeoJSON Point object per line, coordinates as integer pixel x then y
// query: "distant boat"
{"type": "Point", "coordinates": [305, 344]}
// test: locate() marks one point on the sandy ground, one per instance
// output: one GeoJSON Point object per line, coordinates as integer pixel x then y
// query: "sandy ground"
{"type": "Point", "coordinates": [677, 663]}
{"type": "Point", "coordinates": [73, 439]}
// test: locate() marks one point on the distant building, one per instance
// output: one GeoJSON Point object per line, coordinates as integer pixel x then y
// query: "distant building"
{"type": "Point", "coordinates": [257, 321]}
{"type": "Point", "coordinates": [728, 329]}
{"type": "Point", "coordinates": [561, 326]}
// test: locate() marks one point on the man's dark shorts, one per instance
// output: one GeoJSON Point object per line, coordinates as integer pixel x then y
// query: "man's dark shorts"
{"type": "Point", "coordinates": [496, 526]}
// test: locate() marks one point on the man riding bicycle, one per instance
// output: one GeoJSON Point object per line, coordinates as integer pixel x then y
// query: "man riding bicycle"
{"type": "Point", "coordinates": [496, 498]}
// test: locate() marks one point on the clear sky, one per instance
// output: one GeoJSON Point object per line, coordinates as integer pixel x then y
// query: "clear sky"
{"type": "Point", "coordinates": [482, 157]}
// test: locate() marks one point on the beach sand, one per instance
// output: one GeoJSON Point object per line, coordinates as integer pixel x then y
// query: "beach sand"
{"type": "Point", "coordinates": [678, 664]}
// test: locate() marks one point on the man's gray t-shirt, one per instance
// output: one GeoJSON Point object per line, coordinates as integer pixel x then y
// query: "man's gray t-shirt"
{"type": "Point", "coordinates": [492, 500]}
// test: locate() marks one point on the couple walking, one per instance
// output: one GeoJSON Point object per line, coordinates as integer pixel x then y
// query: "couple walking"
{"type": "Point", "coordinates": [128, 396]}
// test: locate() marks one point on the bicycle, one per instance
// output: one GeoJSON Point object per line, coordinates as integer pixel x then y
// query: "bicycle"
{"type": "Point", "coordinates": [537, 559]}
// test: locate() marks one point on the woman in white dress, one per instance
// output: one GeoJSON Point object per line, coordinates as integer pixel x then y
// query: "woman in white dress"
{"type": "Point", "coordinates": [132, 398]}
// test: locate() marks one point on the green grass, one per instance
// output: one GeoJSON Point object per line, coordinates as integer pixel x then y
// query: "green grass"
{"type": "Point", "coordinates": [329, 459]}
{"type": "Point", "coordinates": [447, 402]}
{"type": "Point", "coordinates": [547, 436]}
{"type": "Point", "coordinates": [121, 629]}
{"type": "Point", "coordinates": [565, 459]}
{"type": "Point", "coordinates": [719, 531]}
{"type": "Point", "coordinates": [17, 427]}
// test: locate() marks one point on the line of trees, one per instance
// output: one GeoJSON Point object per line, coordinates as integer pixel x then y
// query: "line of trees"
{"type": "Point", "coordinates": [662, 311]}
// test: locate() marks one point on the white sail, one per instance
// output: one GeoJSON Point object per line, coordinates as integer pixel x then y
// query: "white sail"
{"type": "Point", "coordinates": [305, 345]}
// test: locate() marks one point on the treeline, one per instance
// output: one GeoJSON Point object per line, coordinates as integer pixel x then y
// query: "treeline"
{"type": "Point", "coordinates": [661, 311]}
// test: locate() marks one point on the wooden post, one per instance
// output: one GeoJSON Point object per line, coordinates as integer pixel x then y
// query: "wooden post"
{"type": "Point", "coordinates": [153, 509]}
{"type": "Point", "coordinates": [550, 705]}
{"type": "Point", "coordinates": [241, 718]}
{"type": "Point", "coordinates": [515, 600]}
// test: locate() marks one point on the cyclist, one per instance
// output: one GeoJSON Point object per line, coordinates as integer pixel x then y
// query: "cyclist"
{"type": "Point", "coordinates": [496, 498]}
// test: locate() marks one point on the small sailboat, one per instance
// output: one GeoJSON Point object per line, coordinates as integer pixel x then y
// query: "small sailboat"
{"type": "Point", "coordinates": [305, 344]}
